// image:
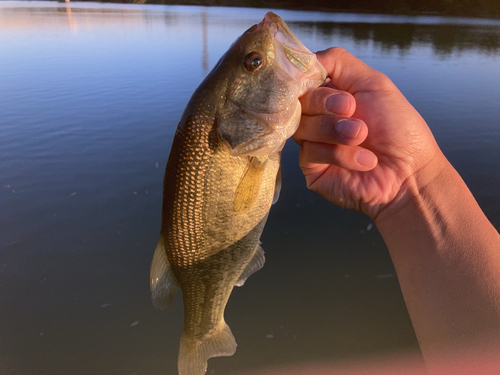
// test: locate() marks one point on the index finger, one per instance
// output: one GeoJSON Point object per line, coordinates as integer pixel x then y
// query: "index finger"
{"type": "Point", "coordinates": [326, 100]}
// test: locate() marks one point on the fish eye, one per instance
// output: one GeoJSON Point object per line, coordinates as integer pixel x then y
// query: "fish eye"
{"type": "Point", "coordinates": [253, 61]}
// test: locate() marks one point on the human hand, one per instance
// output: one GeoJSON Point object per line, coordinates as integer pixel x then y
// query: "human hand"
{"type": "Point", "coordinates": [388, 165]}
{"type": "Point", "coordinates": [363, 146]}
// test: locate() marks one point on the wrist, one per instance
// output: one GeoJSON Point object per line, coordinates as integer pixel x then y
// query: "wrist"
{"type": "Point", "coordinates": [418, 192]}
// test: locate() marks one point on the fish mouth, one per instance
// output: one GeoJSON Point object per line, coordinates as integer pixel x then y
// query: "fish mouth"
{"type": "Point", "coordinates": [290, 53]}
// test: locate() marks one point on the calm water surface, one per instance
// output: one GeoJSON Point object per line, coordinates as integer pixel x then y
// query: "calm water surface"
{"type": "Point", "coordinates": [90, 96]}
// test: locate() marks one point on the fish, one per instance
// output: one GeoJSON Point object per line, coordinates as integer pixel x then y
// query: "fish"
{"type": "Point", "coordinates": [221, 178]}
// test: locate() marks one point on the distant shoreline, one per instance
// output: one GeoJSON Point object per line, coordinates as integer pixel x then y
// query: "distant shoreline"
{"type": "Point", "coordinates": [453, 8]}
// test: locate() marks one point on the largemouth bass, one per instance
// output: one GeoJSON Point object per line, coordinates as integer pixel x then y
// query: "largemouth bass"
{"type": "Point", "coordinates": [221, 178]}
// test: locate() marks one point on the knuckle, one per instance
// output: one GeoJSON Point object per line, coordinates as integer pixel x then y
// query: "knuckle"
{"type": "Point", "coordinates": [319, 97]}
{"type": "Point", "coordinates": [305, 151]}
{"type": "Point", "coordinates": [341, 154]}
{"type": "Point", "coordinates": [382, 81]}
{"type": "Point", "coordinates": [338, 51]}
{"type": "Point", "coordinates": [313, 101]}
{"type": "Point", "coordinates": [327, 127]}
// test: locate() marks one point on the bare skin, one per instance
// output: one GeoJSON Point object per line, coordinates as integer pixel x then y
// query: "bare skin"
{"type": "Point", "coordinates": [364, 147]}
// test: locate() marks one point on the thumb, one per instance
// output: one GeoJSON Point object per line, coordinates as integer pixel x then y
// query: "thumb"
{"type": "Point", "coordinates": [348, 73]}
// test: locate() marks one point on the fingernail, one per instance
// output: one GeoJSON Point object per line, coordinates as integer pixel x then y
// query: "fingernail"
{"type": "Point", "coordinates": [365, 158]}
{"type": "Point", "coordinates": [348, 128]}
{"type": "Point", "coordinates": [338, 103]}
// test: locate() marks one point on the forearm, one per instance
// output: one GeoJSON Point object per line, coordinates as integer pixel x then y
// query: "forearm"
{"type": "Point", "coordinates": [447, 257]}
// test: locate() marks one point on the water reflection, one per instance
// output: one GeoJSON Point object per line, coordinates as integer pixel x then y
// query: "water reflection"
{"type": "Point", "coordinates": [444, 39]}
{"type": "Point", "coordinates": [71, 20]}
{"type": "Point", "coordinates": [204, 31]}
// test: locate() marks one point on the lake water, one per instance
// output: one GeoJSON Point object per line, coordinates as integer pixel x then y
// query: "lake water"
{"type": "Point", "coordinates": [90, 96]}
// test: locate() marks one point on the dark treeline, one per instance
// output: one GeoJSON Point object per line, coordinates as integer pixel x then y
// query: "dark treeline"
{"type": "Point", "coordinates": [476, 8]}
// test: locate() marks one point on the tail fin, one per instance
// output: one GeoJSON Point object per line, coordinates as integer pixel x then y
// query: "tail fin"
{"type": "Point", "coordinates": [194, 354]}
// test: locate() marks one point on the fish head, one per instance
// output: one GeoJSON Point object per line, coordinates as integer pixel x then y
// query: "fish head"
{"type": "Point", "coordinates": [267, 69]}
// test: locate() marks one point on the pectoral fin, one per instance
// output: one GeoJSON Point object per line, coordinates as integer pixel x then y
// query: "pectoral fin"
{"type": "Point", "coordinates": [162, 281]}
{"type": "Point", "coordinates": [277, 187]}
{"type": "Point", "coordinates": [250, 184]}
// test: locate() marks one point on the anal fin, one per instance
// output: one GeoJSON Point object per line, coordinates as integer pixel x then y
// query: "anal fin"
{"type": "Point", "coordinates": [256, 263]}
{"type": "Point", "coordinates": [194, 353]}
{"type": "Point", "coordinates": [162, 281]}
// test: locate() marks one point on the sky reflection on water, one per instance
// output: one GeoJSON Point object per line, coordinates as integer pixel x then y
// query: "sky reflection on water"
{"type": "Point", "coordinates": [90, 96]}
